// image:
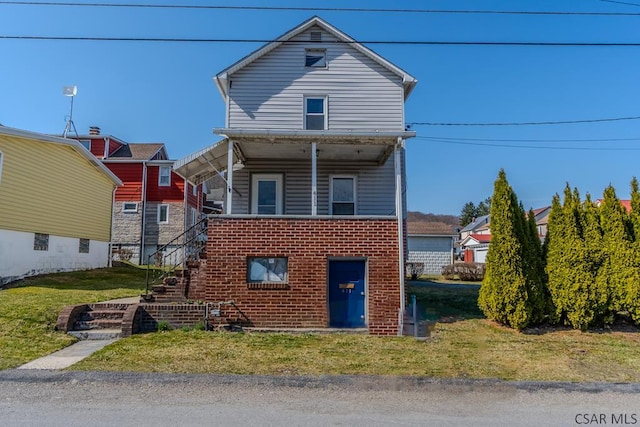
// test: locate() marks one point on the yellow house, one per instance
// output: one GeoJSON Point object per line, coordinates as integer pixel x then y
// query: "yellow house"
{"type": "Point", "coordinates": [56, 204]}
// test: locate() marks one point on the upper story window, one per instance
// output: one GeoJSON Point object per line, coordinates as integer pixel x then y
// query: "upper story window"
{"type": "Point", "coordinates": [315, 58]}
{"type": "Point", "coordinates": [315, 117]}
{"type": "Point", "coordinates": [164, 177]}
{"type": "Point", "coordinates": [343, 195]}
{"type": "Point", "coordinates": [86, 143]}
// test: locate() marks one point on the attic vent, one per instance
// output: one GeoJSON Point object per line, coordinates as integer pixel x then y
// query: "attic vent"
{"type": "Point", "coordinates": [316, 36]}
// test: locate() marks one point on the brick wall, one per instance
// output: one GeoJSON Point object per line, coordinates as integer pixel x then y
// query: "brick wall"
{"type": "Point", "coordinates": [308, 243]}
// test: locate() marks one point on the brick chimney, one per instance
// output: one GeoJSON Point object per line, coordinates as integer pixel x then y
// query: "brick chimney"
{"type": "Point", "coordinates": [94, 130]}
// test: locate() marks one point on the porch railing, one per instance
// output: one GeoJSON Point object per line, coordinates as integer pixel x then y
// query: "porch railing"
{"type": "Point", "coordinates": [177, 254]}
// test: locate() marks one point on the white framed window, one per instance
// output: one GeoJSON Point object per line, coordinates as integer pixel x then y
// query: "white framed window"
{"type": "Point", "coordinates": [342, 195]}
{"type": "Point", "coordinates": [194, 216]}
{"type": "Point", "coordinates": [267, 270]}
{"type": "Point", "coordinates": [315, 58]}
{"type": "Point", "coordinates": [1, 159]}
{"type": "Point", "coordinates": [164, 176]}
{"type": "Point", "coordinates": [315, 113]}
{"type": "Point", "coordinates": [194, 190]}
{"type": "Point", "coordinates": [86, 143]}
{"type": "Point", "coordinates": [163, 214]}
{"type": "Point", "coordinates": [130, 207]}
{"type": "Point", "coordinates": [266, 194]}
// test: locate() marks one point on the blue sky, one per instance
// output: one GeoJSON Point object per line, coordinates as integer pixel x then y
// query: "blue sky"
{"type": "Point", "coordinates": [163, 92]}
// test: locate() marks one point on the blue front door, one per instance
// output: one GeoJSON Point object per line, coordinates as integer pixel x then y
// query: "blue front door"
{"type": "Point", "coordinates": [346, 294]}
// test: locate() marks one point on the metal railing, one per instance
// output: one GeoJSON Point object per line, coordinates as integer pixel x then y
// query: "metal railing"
{"type": "Point", "coordinates": [177, 254]}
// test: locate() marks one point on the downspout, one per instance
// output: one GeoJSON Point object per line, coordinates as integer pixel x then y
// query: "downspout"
{"type": "Point", "coordinates": [399, 213]}
{"type": "Point", "coordinates": [113, 214]}
{"type": "Point", "coordinates": [143, 209]}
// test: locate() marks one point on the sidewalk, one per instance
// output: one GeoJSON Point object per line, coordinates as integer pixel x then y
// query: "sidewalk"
{"type": "Point", "coordinates": [68, 356]}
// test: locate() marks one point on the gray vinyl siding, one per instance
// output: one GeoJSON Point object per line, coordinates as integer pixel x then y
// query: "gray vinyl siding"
{"type": "Point", "coordinates": [375, 186]}
{"type": "Point", "coordinates": [362, 94]}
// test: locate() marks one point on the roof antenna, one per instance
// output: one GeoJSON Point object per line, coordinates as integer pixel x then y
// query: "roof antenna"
{"type": "Point", "coordinates": [71, 92]}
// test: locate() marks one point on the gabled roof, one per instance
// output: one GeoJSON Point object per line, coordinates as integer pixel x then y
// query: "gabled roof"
{"type": "Point", "coordinates": [626, 204]}
{"type": "Point", "coordinates": [476, 239]}
{"type": "Point", "coordinates": [480, 221]}
{"type": "Point", "coordinates": [139, 151]}
{"type": "Point", "coordinates": [79, 148]}
{"type": "Point", "coordinates": [431, 228]}
{"type": "Point", "coordinates": [220, 79]}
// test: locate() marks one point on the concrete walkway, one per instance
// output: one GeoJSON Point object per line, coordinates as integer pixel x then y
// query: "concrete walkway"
{"type": "Point", "coordinates": [68, 356]}
{"type": "Point", "coordinates": [76, 352]}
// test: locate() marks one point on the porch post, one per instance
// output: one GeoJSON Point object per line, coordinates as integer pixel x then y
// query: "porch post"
{"type": "Point", "coordinates": [397, 154]}
{"type": "Point", "coordinates": [314, 180]}
{"type": "Point", "coordinates": [229, 199]}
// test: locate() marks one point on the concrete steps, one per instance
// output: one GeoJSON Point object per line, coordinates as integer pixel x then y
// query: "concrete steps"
{"type": "Point", "coordinates": [100, 321]}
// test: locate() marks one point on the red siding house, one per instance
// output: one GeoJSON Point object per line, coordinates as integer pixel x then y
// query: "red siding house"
{"type": "Point", "coordinates": [154, 205]}
{"type": "Point", "coordinates": [312, 155]}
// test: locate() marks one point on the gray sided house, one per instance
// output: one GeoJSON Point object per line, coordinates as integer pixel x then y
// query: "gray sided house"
{"type": "Point", "coordinates": [430, 246]}
{"type": "Point", "coordinates": [312, 153]}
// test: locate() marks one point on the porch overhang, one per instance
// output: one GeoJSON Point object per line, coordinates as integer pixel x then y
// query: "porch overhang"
{"type": "Point", "coordinates": [363, 146]}
{"type": "Point", "coordinates": [206, 163]}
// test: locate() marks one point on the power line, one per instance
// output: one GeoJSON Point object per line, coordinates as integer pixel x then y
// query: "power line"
{"type": "Point", "coordinates": [620, 2]}
{"type": "Point", "coordinates": [530, 147]}
{"type": "Point", "coordinates": [379, 42]}
{"type": "Point", "coordinates": [531, 140]}
{"type": "Point", "coordinates": [563, 122]}
{"type": "Point", "coordinates": [312, 9]}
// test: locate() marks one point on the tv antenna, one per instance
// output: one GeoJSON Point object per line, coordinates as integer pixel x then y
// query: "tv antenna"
{"type": "Point", "coordinates": [71, 92]}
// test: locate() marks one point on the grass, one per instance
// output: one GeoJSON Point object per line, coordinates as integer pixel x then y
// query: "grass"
{"type": "Point", "coordinates": [29, 310]}
{"type": "Point", "coordinates": [465, 346]}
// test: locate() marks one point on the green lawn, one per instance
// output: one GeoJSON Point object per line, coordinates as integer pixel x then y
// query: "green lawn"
{"type": "Point", "coordinates": [463, 345]}
{"type": "Point", "coordinates": [28, 312]}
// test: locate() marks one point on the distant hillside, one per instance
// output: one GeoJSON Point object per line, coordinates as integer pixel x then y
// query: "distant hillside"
{"type": "Point", "coordinates": [429, 217]}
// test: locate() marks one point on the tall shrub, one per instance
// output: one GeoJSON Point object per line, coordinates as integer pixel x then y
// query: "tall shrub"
{"type": "Point", "coordinates": [504, 296]}
{"type": "Point", "coordinates": [618, 270]}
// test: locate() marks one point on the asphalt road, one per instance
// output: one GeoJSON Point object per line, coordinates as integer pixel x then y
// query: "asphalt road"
{"type": "Point", "coordinates": [55, 398]}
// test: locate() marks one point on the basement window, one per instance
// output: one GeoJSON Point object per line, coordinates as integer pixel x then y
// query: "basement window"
{"type": "Point", "coordinates": [267, 270]}
{"type": "Point", "coordinates": [40, 242]}
{"type": "Point", "coordinates": [130, 207]}
{"type": "Point", "coordinates": [83, 246]}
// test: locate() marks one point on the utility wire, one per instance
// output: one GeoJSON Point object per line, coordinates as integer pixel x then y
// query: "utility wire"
{"type": "Point", "coordinates": [530, 140]}
{"type": "Point", "coordinates": [621, 2]}
{"type": "Point", "coordinates": [378, 42]}
{"type": "Point", "coordinates": [311, 9]}
{"type": "Point", "coordinates": [564, 122]}
{"type": "Point", "coordinates": [530, 147]}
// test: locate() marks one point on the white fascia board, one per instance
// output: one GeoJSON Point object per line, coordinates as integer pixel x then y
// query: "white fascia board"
{"type": "Point", "coordinates": [271, 133]}
{"type": "Point", "coordinates": [221, 78]}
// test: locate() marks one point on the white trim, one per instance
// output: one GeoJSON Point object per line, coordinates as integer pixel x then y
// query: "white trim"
{"type": "Point", "coordinates": [325, 110]}
{"type": "Point", "coordinates": [314, 179]}
{"type": "Point", "coordinates": [222, 78]}
{"type": "Point", "coordinates": [161, 175]}
{"type": "Point", "coordinates": [355, 194]}
{"type": "Point", "coordinates": [257, 177]}
{"type": "Point", "coordinates": [160, 210]}
{"type": "Point", "coordinates": [134, 210]}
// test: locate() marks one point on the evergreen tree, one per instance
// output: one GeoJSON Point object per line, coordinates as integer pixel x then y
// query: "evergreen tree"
{"type": "Point", "coordinates": [554, 250]}
{"type": "Point", "coordinates": [631, 291]}
{"type": "Point", "coordinates": [534, 271]}
{"type": "Point", "coordinates": [618, 272]}
{"type": "Point", "coordinates": [504, 294]}
{"type": "Point", "coordinates": [467, 214]}
{"type": "Point", "coordinates": [484, 207]}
